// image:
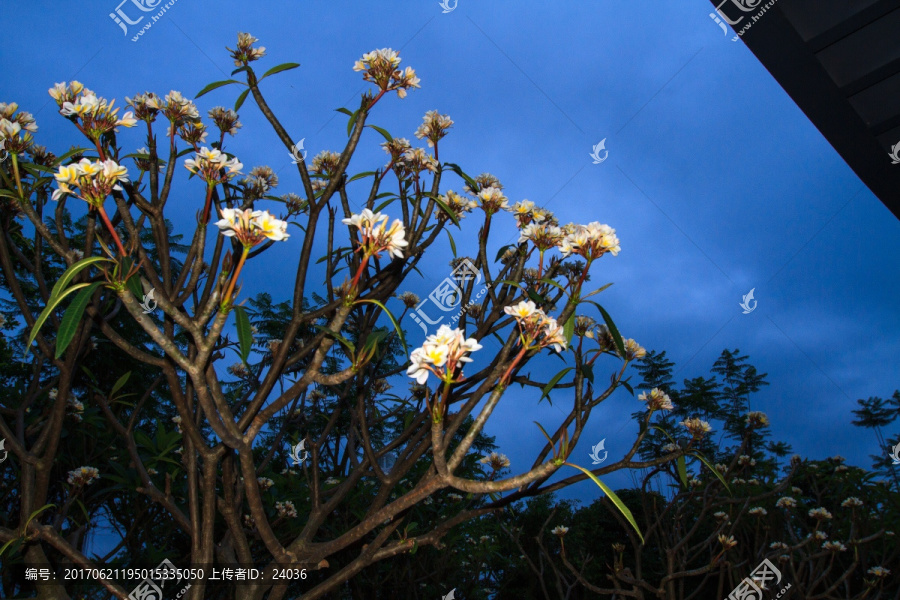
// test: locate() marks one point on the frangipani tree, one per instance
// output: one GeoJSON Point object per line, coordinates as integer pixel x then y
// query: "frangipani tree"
{"type": "Point", "coordinates": [315, 370]}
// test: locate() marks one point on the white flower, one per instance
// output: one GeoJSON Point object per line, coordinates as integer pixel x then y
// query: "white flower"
{"type": "Point", "coordinates": [83, 476]}
{"type": "Point", "coordinates": [560, 530]}
{"type": "Point", "coordinates": [879, 572]}
{"type": "Point", "coordinates": [757, 511]}
{"type": "Point", "coordinates": [852, 502]}
{"type": "Point", "coordinates": [496, 461]}
{"type": "Point", "coordinates": [376, 235]}
{"type": "Point", "coordinates": [656, 399]}
{"type": "Point", "coordinates": [441, 354]}
{"type": "Point", "coordinates": [264, 483]}
{"type": "Point", "coordinates": [834, 547]}
{"type": "Point", "coordinates": [819, 514]}
{"type": "Point", "coordinates": [696, 427]}
{"type": "Point", "coordinates": [786, 502]}
{"type": "Point", "coordinates": [286, 509]}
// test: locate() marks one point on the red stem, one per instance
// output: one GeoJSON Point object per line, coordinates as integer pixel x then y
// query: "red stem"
{"type": "Point", "coordinates": [111, 229]}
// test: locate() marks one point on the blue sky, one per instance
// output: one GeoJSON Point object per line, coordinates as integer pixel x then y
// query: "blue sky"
{"type": "Point", "coordinates": [716, 182]}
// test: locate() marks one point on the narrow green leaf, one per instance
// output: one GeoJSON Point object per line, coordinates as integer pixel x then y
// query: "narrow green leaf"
{"type": "Point", "coordinates": [72, 318]}
{"type": "Point", "coordinates": [346, 111]}
{"type": "Point", "coordinates": [628, 387]}
{"type": "Point", "coordinates": [456, 169]}
{"type": "Point", "coordinates": [569, 329]}
{"type": "Point", "coordinates": [352, 122]}
{"type": "Point", "coordinates": [391, 317]}
{"type": "Point", "coordinates": [549, 387]}
{"type": "Point", "coordinates": [72, 271]}
{"type": "Point", "coordinates": [598, 290]}
{"type": "Point", "coordinates": [682, 470]}
{"type": "Point", "coordinates": [33, 515]}
{"type": "Point", "coordinates": [244, 331]}
{"type": "Point", "coordinates": [347, 343]}
{"type": "Point", "coordinates": [452, 243]}
{"type": "Point", "coordinates": [713, 469]}
{"type": "Point", "coordinates": [215, 85]}
{"type": "Point", "coordinates": [239, 69]}
{"type": "Point", "coordinates": [120, 383]}
{"type": "Point", "coordinates": [66, 155]}
{"type": "Point", "coordinates": [383, 132]}
{"type": "Point", "coordinates": [279, 69]}
{"type": "Point", "coordinates": [588, 372]}
{"type": "Point", "coordinates": [544, 431]}
{"type": "Point", "coordinates": [617, 337]}
{"type": "Point", "coordinates": [240, 99]}
{"type": "Point", "coordinates": [444, 208]}
{"type": "Point", "coordinates": [537, 298]}
{"type": "Point", "coordinates": [45, 314]}
{"type": "Point", "coordinates": [614, 498]}
{"type": "Point", "coordinates": [134, 286]}
{"type": "Point", "coordinates": [384, 204]}
{"type": "Point", "coordinates": [361, 175]}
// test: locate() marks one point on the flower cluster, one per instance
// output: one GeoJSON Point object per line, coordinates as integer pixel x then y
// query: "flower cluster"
{"type": "Point", "coordinates": [94, 180]}
{"type": "Point", "coordinates": [381, 67]}
{"type": "Point", "coordinates": [179, 109]}
{"type": "Point", "coordinates": [146, 106]}
{"type": "Point", "coordinates": [786, 502]}
{"type": "Point", "coordinates": [852, 502]}
{"type": "Point", "coordinates": [376, 235]}
{"type": "Point", "coordinates": [460, 205]}
{"type": "Point", "coordinates": [441, 354]}
{"type": "Point", "coordinates": [435, 127]}
{"type": "Point", "coordinates": [97, 115]}
{"type": "Point", "coordinates": [537, 329]}
{"type": "Point", "coordinates": [757, 419]}
{"type": "Point", "coordinates": [633, 350]}
{"type": "Point", "coordinates": [396, 148]}
{"type": "Point", "coordinates": [225, 119]}
{"type": "Point", "coordinates": [264, 483]}
{"type": "Point", "coordinates": [727, 541]}
{"type": "Point", "coordinates": [251, 227]}
{"type": "Point", "coordinates": [496, 461]}
{"type": "Point", "coordinates": [757, 511]}
{"type": "Point", "coordinates": [485, 180]}
{"type": "Point", "coordinates": [326, 162]}
{"type": "Point", "coordinates": [656, 399]}
{"type": "Point", "coordinates": [245, 52]}
{"type": "Point", "coordinates": [258, 183]}
{"type": "Point", "coordinates": [589, 241]}
{"type": "Point", "coordinates": [77, 408]}
{"type": "Point", "coordinates": [820, 514]}
{"type": "Point", "coordinates": [834, 547]}
{"type": "Point", "coordinates": [879, 572]}
{"type": "Point", "coordinates": [11, 127]}
{"type": "Point", "coordinates": [544, 236]}
{"type": "Point", "coordinates": [492, 200]}
{"type": "Point", "coordinates": [286, 509]}
{"type": "Point", "coordinates": [144, 164]}
{"type": "Point", "coordinates": [83, 476]}
{"type": "Point", "coordinates": [560, 530]}
{"type": "Point", "coordinates": [415, 160]}
{"type": "Point", "coordinates": [696, 427]}
{"type": "Point", "coordinates": [213, 166]}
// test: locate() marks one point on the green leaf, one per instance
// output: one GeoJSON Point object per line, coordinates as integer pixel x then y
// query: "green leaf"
{"type": "Point", "coordinates": [120, 383]}
{"type": "Point", "coordinates": [537, 298]}
{"type": "Point", "coordinates": [279, 69]}
{"type": "Point", "coordinates": [569, 329]}
{"type": "Point", "coordinates": [452, 243]}
{"type": "Point", "coordinates": [244, 331]}
{"type": "Point", "coordinates": [598, 290]}
{"type": "Point", "coordinates": [617, 337]}
{"type": "Point", "coordinates": [240, 99]}
{"type": "Point", "coordinates": [72, 318]}
{"type": "Point", "coordinates": [51, 306]}
{"type": "Point", "coordinates": [549, 387]}
{"type": "Point", "coordinates": [352, 122]}
{"type": "Point", "coordinates": [239, 69]}
{"type": "Point", "coordinates": [347, 343]}
{"type": "Point", "coordinates": [588, 372]}
{"type": "Point", "coordinates": [32, 516]}
{"type": "Point", "coordinates": [215, 85]}
{"type": "Point", "coordinates": [456, 169]}
{"type": "Point", "coordinates": [361, 175]}
{"type": "Point", "coordinates": [383, 132]}
{"type": "Point", "coordinates": [615, 499]}
{"type": "Point", "coordinates": [713, 469]}
{"type": "Point", "coordinates": [346, 111]}
{"type": "Point", "coordinates": [393, 320]}
{"type": "Point", "coordinates": [627, 386]}
{"type": "Point", "coordinates": [502, 251]}
{"type": "Point", "coordinates": [71, 152]}
{"type": "Point", "coordinates": [682, 470]}
{"type": "Point", "coordinates": [444, 208]}
{"type": "Point", "coordinates": [134, 286]}
{"type": "Point", "coordinates": [72, 271]}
